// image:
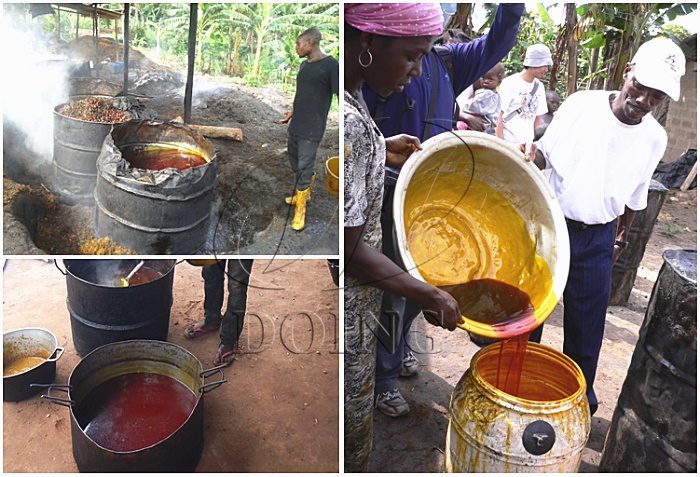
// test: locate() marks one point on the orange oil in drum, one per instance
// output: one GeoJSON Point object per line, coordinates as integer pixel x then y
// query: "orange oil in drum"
{"type": "Point", "coordinates": [543, 428]}
{"type": "Point", "coordinates": [157, 159]}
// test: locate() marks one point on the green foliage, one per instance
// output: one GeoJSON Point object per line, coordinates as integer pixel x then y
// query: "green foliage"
{"type": "Point", "coordinates": [254, 42]}
{"type": "Point", "coordinates": [534, 28]}
{"type": "Point", "coordinates": [608, 34]}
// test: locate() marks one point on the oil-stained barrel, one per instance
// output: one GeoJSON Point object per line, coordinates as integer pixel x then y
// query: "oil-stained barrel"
{"type": "Point", "coordinates": [625, 269]}
{"type": "Point", "coordinates": [654, 426]}
{"type": "Point", "coordinates": [76, 146]}
{"type": "Point", "coordinates": [543, 429]}
{"type": "Point", "coordinates": [154, 212]}
{"type": "Point", "coordinates": [102, 313]}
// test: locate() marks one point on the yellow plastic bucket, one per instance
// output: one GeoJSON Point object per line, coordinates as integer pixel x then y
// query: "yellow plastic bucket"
{"type": "Point", "coordinates": [545, 430]}
{"type": "Point", "coordinates": [202, 262]}
{"type": "Point", "coordinates": [332, 176]}
{"type": "Point", "coordinates": [468, 207]}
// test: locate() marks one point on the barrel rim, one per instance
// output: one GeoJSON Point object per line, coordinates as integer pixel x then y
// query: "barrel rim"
{"type": "Point", "coordinates": [515, 402]}
{"type": "Point", "coordinates": [84, 260]}
{"type": "Point", "coordinates": [79, 97]}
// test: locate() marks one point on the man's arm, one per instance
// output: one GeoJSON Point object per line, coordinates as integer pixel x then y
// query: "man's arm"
{"type": "Point", "coordinates": [472, 60]}
{"type": "Point", "coordinates": [624, 224]}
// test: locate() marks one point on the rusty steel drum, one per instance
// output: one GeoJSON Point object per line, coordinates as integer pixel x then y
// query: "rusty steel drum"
{"type": "Point", "coordinates": [543, 431]}
{"type": "Point", "coordinates": [655, 424]}
{"type": "Point", "coordinates": [161, 212]}
{"type": "Point", "coordinates": [76, 146]}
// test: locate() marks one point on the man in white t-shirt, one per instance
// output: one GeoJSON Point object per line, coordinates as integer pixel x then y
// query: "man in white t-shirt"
{"type": "Point", "coordinates": [602, 151]}
{"type": "Point", "coordinates": [523, 100]}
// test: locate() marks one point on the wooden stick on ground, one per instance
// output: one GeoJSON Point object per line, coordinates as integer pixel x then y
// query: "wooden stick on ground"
{"type": "Point", "coordinates": [219, 132]}
{"type": "Point", "coordinates": [691, 175]}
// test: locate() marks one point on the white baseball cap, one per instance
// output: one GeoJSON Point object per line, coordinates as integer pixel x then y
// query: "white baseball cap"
{"type": "Point", "coordinates": [659, 64]}
{"type": "Point", "coordinates": [537, 55]}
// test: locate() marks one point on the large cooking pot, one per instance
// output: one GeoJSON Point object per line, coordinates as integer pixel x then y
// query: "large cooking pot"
{"type": "Point", "coordinates": [178, 452]}
{"type": "Point", "coordinates": [24, 343]}
{"type": "Point", "coordinates": [101, 311]}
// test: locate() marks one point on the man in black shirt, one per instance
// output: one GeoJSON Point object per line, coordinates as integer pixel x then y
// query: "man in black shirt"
{"type": "Point", "coordinates": [317, 82]}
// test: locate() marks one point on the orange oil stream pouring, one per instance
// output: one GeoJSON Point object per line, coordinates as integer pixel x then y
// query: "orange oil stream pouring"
{"type": "Point", "coordinates": [501, 306]}
{"type": "Point", "coordinates": [479, 240]}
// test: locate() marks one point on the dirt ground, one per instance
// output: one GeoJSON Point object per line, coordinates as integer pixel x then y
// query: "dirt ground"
{"type": "Point", "coordinates": [278, 411]}
{"type": "Point", "coordinates": [248, 216]}
{"type": "Point", "coordinates": [416, 442]}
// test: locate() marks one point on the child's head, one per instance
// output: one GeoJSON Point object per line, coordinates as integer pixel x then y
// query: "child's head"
{"type": "Point", "coordinates": [552, 101]}
{"type": "Point", "coordinates": [492, 79]}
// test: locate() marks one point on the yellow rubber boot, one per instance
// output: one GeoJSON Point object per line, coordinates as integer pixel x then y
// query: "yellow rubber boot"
{"type": "Point", "coordinates": [293, 200]}
{"type": "Point", "coordinates": [301, 198]}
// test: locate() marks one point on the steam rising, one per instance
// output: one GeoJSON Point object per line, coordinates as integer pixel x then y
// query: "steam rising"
{"type": "Point", "coordinates": [35, 81]}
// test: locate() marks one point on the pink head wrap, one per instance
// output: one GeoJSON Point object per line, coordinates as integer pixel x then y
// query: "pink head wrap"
{"type": "Point", "coordinates": [396, 19]}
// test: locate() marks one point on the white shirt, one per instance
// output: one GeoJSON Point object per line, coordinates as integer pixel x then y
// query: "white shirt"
{"type": "Point", "coordinates": [515, 94]}
{"type": "Point", "coordinates": [599, 164]}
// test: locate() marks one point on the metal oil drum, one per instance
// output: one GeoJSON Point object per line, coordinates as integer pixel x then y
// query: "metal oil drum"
{"type": "Point", "coordinates": [160, 211]}
{"type": "Point", "coordinates": [655, 424]}
{"type": "Point", "coordinates": [76, 146]}
{"type": "Point", "coordinates": [543, 430]}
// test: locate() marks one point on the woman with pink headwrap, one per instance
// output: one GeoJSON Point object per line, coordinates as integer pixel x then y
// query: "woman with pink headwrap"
{"type": "Point", "coordinates": [384, 46]}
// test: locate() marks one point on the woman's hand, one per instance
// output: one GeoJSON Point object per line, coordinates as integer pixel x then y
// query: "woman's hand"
{"type": "Point", "coordinates": [399, 147]}
{"type": "Point", "coordinates": [443, 311]}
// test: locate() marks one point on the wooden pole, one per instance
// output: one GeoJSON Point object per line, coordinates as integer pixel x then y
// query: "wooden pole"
{"type": "Point", "coordinates": [127, 40]}
{"type": "Point", "coordinates": [191, 44]}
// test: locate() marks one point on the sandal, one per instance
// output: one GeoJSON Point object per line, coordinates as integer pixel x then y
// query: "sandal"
{"type": "Point", "coordinates": [226, 357]}
{"type": "Point", "coordinates": [193, 331]}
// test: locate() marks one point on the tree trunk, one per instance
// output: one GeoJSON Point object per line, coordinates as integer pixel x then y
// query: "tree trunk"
{"type": "Point", "coordinates": [462, 19]}
{"type": "Point", "coordinates": [571, 48]}
{"type": "Point", "coordinates": [593, 67]}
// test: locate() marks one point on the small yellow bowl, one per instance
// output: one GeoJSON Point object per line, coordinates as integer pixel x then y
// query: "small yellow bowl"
{"type": "Point", "coordinates": [332, 178]}
{"type": "Point", "coordinates": [202, 262]}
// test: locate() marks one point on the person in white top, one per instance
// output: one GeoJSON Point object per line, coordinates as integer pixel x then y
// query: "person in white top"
{"type": "Point", "coordinates": [523, 100]}
{"type": "Point", "coordinates": [602, 151]}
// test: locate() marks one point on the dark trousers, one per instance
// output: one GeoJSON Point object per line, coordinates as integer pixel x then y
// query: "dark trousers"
{"type": "Point", "coordinates": [586, 298]}
{"type": "Point", "coordinates": [302, 158]}
{"type": "Point", "coordinates": [398, 313]}
{"type": "Point", "coordinates": [233, 318]}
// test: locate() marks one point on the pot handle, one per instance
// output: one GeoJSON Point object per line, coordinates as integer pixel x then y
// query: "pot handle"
{"type": "Point", "coordinates": [58, 353]}
{"type": "Point", "coordinates": [59, 387]}
{"type": "Point", "coordinates": [55, 262]}
{"type": "Point", "coordinates": [215, 384]}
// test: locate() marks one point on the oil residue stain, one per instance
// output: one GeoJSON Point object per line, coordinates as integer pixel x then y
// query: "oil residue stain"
{"type": "Point", "coordinates": [134, 411]}
{"type": "Point", "coordinates": [157, 159]}
{"type": "Point", "coordinates": [25, 363]}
